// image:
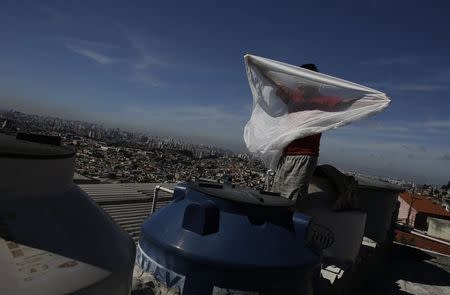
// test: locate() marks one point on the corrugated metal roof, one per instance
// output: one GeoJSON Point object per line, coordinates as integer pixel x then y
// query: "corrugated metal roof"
{"type": "Point", "coordinates": [128, 204]}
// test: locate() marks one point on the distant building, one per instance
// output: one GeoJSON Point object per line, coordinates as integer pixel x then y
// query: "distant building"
{"type": "Point", "coordinates": [421, 209]}
{"type": "Point", "coordinates": [202, 153]}
{"type": "Point", "coordinates": [439, 228]}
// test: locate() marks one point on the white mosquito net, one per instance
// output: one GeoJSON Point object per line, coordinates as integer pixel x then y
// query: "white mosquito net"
{"type": "Point", "coordinates": [290, 102]}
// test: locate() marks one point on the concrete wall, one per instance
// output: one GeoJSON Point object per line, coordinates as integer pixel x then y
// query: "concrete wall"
{"type": "Point", "coordinates": [403, 212]}
{"type": "Point", "coordinates": [439, 228]}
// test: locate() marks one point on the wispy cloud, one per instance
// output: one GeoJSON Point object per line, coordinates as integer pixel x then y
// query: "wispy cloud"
{"type": "Point", "coordinates": [218, 124]}
{"type": "Point", "coordinates": [397, 127]}
{"type": "Point", "coordinates": [146, 57]}
{"type": "Point", "coordinates": [434, 79]}
{"type": "Point", "coordinates": [386, 61]}
{"type": "Point", "coordinates": [146, 79]}
{"type": "Point", "coordinates": [387, 156]}
{"type": "Point", "coordinates": [137, 54]}
{"type": "Point", "coordinates": [418, 87]}
{"type": "Point", "coordinates": [142, 66]}
{"type": "Point", "coordinates": [414, 148]}
{"type": "Point", "coordinates": [88, 43]}
{"type": "Point", "coordinates": [91, 54]}
{"type": "Point", "coordinates": [422, 87]}
{"type": "Point", "coordinates": [441, 124]}
{"type": "Point", "coordinates": [55, 13]}
{"type": "Point", "coordinates": [138, 65]}
{"type": "Point", "coordinates": [443, 75]}
{"type": "Point", "coordinates": [190, 113]}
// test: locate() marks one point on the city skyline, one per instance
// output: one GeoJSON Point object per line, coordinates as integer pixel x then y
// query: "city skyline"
{"type": "Point", "coordinates": [177, 69]}
{"type": "Point", "coordinates": [100, 139]}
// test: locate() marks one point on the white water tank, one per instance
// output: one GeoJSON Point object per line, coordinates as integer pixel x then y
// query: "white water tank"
{"type": "Point", "coordinates": [378, 199]}
{"type": "Point", "coordinates": [53, 238]}
{"type": "Point", "coordinates": [347, 225]}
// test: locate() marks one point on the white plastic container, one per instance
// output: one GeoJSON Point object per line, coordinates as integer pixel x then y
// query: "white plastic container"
{"type": "Point", "coordinates": [53, 238]}
{"type": "Point", "coordinates": [348, 226]}
{"type": "Point", "coordinates": [379, 200]}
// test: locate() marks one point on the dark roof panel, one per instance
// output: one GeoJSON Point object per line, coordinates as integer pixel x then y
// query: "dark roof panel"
{"type": "Point", "coordinates": [374, 184]}
{"type": "Point", "coordinates": [10, 147]}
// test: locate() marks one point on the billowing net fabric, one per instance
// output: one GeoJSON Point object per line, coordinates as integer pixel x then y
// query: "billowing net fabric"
{"type": "Point", "coordinates": [290, 102]}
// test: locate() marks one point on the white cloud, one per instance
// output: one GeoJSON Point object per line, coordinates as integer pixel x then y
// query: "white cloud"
{"type": "Point", "coordinates": [55, 14]}
{"type": "Point", "coordinates": [385, 61]}
{"type": "Point", "coordinates": [143, 63]}
{"type": "Point", "coordinates": [145, 55]}
{"type": "Point", "coordinates": [91, 54]}
{"type": "Point", "coordinates": [417, 87]}
{"type": "Point", "coordinates": [146, 60]}
{"type": "Point", "coordinates": [440, 124]}
{"type": "Point", "coordinates": [423, 87]}
{"type": "Point", "coordinates": [146, 79]}
{"type": "Point", "coordinates": [395, 158]}
{"type": "Point", "coordinates": [435, 80]}
{"type": "Point", "coordinates": [442, 75]}
{"type": "Point", "coordinates": [407, 131]}
{"type": "Point", "coordinates": [219, 124]}
{"type": "Point", "coordinates": [140, 62]}
{"type": "Point", "coordinates": [185, 113]}
{"type": "Point", "coordinates": [414, 150]}
{"type": "Point", "coordinates": [87, 43]}
{"type": "Point", "coordinates": [445, 157]}
{"type": "Point", "coordinates": [137, 67]}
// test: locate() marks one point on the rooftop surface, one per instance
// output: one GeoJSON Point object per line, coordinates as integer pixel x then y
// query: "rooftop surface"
{"type": "Point", "coordinates": [129, 204]}
{"type": "Point", "coordinates": [405, 270]}
{"type": "Point", "coordinates": [424, 205]}
{"type": "Point", "coordinates": [412, 271]}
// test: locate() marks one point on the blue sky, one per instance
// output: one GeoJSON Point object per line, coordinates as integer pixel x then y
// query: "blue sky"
{"type": "Point", "coordinates": [176, 68]}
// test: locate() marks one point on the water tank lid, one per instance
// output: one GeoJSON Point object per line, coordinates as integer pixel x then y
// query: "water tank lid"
{"type": "Point", "coordinates": [10, 147]}
{"type": "Point", "coordinates": [378, 185]}
{"type": "Point", "coordinates": [234, 193]}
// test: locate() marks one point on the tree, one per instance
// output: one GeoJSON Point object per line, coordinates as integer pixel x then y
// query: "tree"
{"type": "Point", "coordinates": [413, 199]}
{"type": "Point", "coordinates": [425, 186]}
{"type": "Point", "coordinates": [446, 187]}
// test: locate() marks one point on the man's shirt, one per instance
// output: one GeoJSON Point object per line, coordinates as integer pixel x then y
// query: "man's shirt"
{"type": "Point", "coordinates": [306, 146]}
{"type": "Point", "coordinates": [310, 145]}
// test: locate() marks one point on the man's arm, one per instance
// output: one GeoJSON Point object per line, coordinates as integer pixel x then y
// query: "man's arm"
{"type": "Point", "coordinates": [285, 93]}
{"type": "Point", "coordinates": [282, 92]}
{"type": "Point", "coordinates": [327, 103]}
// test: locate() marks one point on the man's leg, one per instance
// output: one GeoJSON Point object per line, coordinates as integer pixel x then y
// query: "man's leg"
{"type": "Point", "coordinates": [293, 176]}
{"type": "Point", "coordinates": [277, 181]}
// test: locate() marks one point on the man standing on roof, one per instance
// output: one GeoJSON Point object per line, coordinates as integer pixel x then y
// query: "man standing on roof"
{"type": "Point", "coordinates": [296, 166]}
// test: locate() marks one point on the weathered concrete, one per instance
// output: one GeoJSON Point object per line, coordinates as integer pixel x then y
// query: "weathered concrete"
{"type": "Point", "coordinates": [410, 271]}
{"type": "Point", "coordinates": [439, 228]}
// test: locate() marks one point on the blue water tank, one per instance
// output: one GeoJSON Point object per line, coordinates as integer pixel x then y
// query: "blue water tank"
{"type": "Point", "coordinates": [220, 239]}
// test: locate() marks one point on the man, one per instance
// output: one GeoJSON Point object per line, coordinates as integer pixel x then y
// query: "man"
{"type": "Point", "coordinates": [296, 167]}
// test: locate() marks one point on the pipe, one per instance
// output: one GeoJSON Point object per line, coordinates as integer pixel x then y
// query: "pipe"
{"type": "Point", "coordinates": [155, 196]}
